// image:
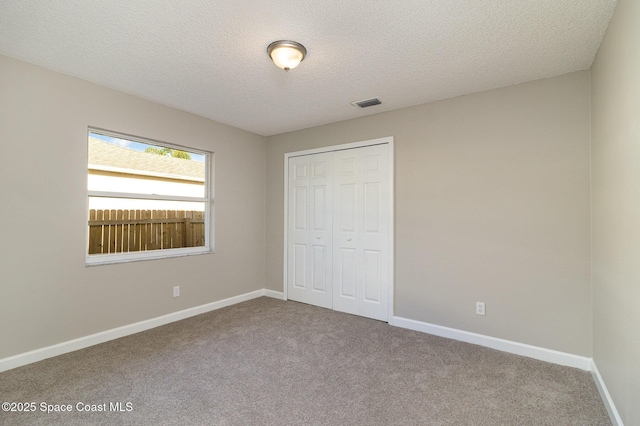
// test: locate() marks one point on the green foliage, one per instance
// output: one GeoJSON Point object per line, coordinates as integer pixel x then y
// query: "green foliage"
{"type": "Point", "coordinates": [180, 154]}
{"type": "Point", "coordinates": [157, 150]}
{"type": "Point", "coordinates": [167, 151]}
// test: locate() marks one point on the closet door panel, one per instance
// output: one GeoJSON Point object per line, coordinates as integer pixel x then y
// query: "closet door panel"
{"type": "Point", "coordinates": [309, 250]}
{"type": "Point", "coordinates": [361, 229]}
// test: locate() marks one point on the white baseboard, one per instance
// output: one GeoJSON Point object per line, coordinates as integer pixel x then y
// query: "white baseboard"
{"type": "Point", "coordinates": [275, 294]}
{"type": "Point", "coordinates": [606, 397]}
{"type": "Point", "coordinates": [115, 333]}
{"type": "Point", "coordinates": [543, 354]}
{"type": "Point", "coordinates": [539, 353]}
{"type": "Point", "coordinates": [509, 346]}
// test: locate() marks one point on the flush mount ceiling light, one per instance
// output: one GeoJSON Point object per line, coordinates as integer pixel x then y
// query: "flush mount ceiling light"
{"type": "Point", "coordinates": [286, 54]}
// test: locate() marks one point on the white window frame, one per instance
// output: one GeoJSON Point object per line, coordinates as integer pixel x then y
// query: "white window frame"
{"type": "Point", "coordinates": [102, 259]}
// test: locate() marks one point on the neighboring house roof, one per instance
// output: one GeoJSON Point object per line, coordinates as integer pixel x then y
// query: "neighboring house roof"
{"type": "Point", "coordinates": [107, 156]}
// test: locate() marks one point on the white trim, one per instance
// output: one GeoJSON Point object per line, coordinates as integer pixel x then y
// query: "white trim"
{"type": "Point", "coordinates": [139, 196]}
{"type": "Point", "coordinates": [392, 202]}
{"type": "Point", "coordinates": [126, 330]}
{"type": "Point", "coordinates": [137, 256]}
{"type": "Point", "coordinates": [392, 230]}
{"type": "Point", "coordinates": [207, 200]}
{"type": "Point", "coordinates": [274, 294]}
{"type": "Point", "coordinates": [342, 147]}
{"type": "Point", "coordinates": [606, 397]}
{"type": "Point", "coordinates": [285, 227]}
{"type": "Point", "coordinates": [536, 352]}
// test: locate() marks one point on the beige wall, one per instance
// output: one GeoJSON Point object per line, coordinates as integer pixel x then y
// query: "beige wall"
{"type": "Point", "coordinates": [616, 209]}
{"type": "Point", "coordinates": [48, 295]}
{"type": "Point", "coordinates": [492, 204]}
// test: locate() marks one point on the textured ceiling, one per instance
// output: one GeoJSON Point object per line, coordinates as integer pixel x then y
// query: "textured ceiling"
{"type": "Point", "coordinates": [208, 57]}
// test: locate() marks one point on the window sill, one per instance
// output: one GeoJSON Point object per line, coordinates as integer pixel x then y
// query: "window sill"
{"type": "Point", "coordinates": [108, 259]}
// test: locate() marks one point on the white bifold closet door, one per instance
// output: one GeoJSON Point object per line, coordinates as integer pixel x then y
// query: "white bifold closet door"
{"type": "Point", "coordinates": [338, 230]}
{"type": "Point", "coordinates": [309, 245]}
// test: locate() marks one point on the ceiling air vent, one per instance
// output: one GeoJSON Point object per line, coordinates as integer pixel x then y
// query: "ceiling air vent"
{"type": "Point", "coordinates": [367, 103]}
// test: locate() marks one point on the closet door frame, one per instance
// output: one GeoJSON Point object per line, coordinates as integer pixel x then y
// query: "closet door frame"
{"type": "Point", "coordinates": [380, 141]}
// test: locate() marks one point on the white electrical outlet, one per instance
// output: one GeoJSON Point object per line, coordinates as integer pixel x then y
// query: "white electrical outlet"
{"type": "Point", "coordinates": [480, 308]}
{"type": "Point", "coordinates": [176, 291]}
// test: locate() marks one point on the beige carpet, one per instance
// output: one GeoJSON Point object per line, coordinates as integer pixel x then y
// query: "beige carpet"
{"type": "Point", "coordinates": [269, 362]}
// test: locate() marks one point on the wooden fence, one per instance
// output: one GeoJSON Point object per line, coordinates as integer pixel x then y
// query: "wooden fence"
{"type": "Point", "coordinates": [122, 231]}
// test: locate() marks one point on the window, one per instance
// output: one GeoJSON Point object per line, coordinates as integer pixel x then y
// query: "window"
{"type": "Point", "coordinates": [146, 199]}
